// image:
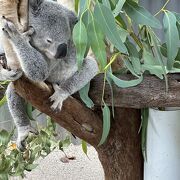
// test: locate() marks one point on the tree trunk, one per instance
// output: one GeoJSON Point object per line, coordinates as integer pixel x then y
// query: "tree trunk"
{"type": "Point", "coordinates": [121, 156]}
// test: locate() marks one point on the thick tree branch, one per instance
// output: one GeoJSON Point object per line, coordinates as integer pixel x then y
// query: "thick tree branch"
{"type": "Point", "coordinates": [85, 123]}
{"type": "Point", "coordinates": [74, 116]}
{"type": "Point", "coordinates": [150, 93]}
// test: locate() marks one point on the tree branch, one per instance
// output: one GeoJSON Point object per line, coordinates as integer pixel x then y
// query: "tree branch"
{"type": "Point", "coordinates": [150, 93]}
{"type": "Point", "coordinates": [85, 123]}
{"type": "Point", "coordinates": [74, 116]}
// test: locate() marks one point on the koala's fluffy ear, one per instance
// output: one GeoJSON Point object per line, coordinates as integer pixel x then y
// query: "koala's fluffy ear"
{"type": "Point", "coordinates": [72, 19]}
{"type": "Point", "coordinates": [35, 4]}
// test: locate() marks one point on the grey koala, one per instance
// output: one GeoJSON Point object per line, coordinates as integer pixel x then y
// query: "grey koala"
{"type": "Point", "coordinates": [47, 55]}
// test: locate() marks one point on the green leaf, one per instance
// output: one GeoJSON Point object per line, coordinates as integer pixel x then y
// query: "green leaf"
{"type": "Point", "coordinates": [76, 4]}
{"type": "Point", "coordinates": [87, 17]}
{"type": "Point", "coordinates": [83, 4]}
{"type": "Point", "coordinates": [106, 3]}
{"type": "Point", "coordinates": [80, 41]}
{"type": "Point", "coordinates": [84, 146]}
{"type": "Point", "coordinates": [145, 116]}
{"type": "Point", "coordinates": [171, 36]}
{"type": "Point", "coordinates": [96, 40]}
{"type": "Point", "coordinates": [148, 57]}
{"type": "Point", "coordinates": [154, 70]}
{"type": "Point", "coordinates": [123, 34]}
{"type": "Point", "coordinates": [129, 66]}
{"type": "Point", "coordinates": [140, 15]}
{"type": "Point", "coordinates": [4, 137]}
{"type": "Point", "coordinates": [177, 17]}
{"type": "Point", "coordinates": [105, 19]}
{"type": "Point", "coordinates": [3, 101]}
{"type": "Point", "coordinates": [30, 167]}
{"type": "Point", "coordinates": [84, 96]}
{"type": "Point", "coordinates": [134, 57]}
{"type": "Point", "coordinates": [125, 84]}
{"type": "Point", "coordinates": [158, 54]}
{"type": "Point", "coordinates": [29, 110]}
{"type": "Point", "coordinates": [110, 82]}
{"type": "Point", "coordinates": [106, 124]}
{"type": "Point", "coordinates": [118, 7]}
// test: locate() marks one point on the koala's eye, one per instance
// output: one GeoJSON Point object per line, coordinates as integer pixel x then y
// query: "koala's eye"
{"type": "Point", "coordinates": [49, 41]}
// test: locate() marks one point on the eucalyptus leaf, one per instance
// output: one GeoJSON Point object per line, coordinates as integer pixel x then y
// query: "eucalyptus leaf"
{"type": "Point", "coordinates": [140, 15]}
{"type": "Point", "coordinates": [84, 96]}
{"type": "Point", "coordinates": [106, 3]}
{"type": "Point", "coordinates": [76, 4]}
{"type": "Point", "coordinates": [30, 167]}
{"type": "Point", "coordinates": [84, 146]}
{"type": "Point", "coordinates": [106, 20]}
{"type": "Point", "coordinates": [134, 57]}
{"type": "Point", "coordinates": [129, 66]}
{"type": "Point", "coordinates": [123, 34]}
{"type": "Point", "coordinates": [87, 17]}
{"type": "Point", "coordinates": [125, 84]}
{"type": "Point", "coordinates": [4, 137]}
{"type": "Point", "coordinates": [29, 110]}
{"type": "Point", "coordinates": [80, 41]}
{"type": "Point", "coordinates": [110, 82]}
{"type": "Point", "coordinates": [171, 36]}
{"type": "Point", "coordinates": [154, 70]}
{"type": "Point", "coordinates": [83, 4]}
{"type": "Point", "coordinates": [145, 116]}
{"type": "Point", "coordinates": [3, 101]}
{"type": "Point", "coordinates": [106, 124]}
{"type": "Point", "coordinates": [96, 40]}
{"type": "Point", "coordinates": [118, 7]}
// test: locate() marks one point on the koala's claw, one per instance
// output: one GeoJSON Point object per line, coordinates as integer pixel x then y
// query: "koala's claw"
{"type": "Point", "coordinates": [23, 133]}
{"type": "Point", "coordinates": [57, 98]}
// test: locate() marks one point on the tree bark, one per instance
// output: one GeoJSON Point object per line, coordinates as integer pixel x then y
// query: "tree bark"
{"type": "Point", "coordinates": [151, 92]}
{"type": "Point", "coordinates": [121, 155]}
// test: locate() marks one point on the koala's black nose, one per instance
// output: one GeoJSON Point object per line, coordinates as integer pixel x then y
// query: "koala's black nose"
{"type": "Point", "coordinates": [61, 51]}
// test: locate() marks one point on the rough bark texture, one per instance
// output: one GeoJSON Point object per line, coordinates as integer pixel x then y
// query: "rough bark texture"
{"type": "Point", "coordinates": [150, 93]}
{"type": "Point", "coordinates": [121, 155]}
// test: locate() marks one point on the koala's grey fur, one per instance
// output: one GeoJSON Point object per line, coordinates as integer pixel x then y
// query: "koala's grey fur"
{"type": "Point", "coordinates": [40, 57]}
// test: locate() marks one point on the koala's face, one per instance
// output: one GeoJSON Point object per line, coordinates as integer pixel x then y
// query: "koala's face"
{"type": "Point", "coordinates": [53, 25]}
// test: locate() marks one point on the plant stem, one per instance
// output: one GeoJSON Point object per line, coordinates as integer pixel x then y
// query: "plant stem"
{"type": "Point", "coordinates": [162, 8]}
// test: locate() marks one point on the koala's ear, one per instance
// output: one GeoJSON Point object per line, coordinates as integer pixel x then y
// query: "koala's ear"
{"type": "Point", "coordinates": [72, 19]}
{"type": "Point", "coordinates": [35, 4]}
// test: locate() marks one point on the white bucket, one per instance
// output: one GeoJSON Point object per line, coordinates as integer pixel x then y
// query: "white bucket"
{"type": "Point", "coordinates": [163, 145]}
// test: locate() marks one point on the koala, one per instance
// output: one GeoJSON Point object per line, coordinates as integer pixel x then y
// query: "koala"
{"type": "Point", "coordinates": [46, 53]}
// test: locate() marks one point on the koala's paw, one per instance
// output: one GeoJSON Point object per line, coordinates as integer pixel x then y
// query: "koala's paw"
{"type": "Point", "coordinates": [11, 75]}
{"type": "Point", "coordinates": [58, 97]}
{"type": "Point", "coordinates": [27, 35]}
{"type": "Point", "coordinates": [10, 30]}
{"type": "Point", "coordinates": [23, 133]}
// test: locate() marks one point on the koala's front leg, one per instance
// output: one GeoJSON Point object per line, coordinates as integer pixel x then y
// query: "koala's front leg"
{"type": "Point", "coordinates": [32, 61]}
{"type": "Point", "coordinates": [75, 83]}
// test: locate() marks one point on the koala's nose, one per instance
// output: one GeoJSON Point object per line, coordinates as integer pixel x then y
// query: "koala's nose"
{"type": "Point", "coordinates": [61, 51]}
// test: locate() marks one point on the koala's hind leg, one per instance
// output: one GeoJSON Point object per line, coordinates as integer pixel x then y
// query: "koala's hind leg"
{"type": "Point", "coordinates": [17, 109]}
